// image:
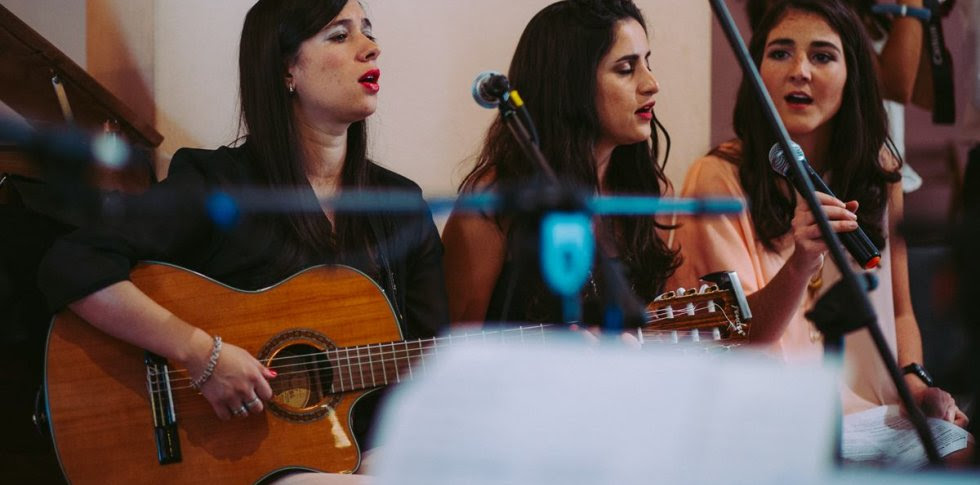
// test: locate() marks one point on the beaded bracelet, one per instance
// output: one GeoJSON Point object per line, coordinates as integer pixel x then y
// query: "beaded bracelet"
{"type": "Point", "coordinates": [212, 363]}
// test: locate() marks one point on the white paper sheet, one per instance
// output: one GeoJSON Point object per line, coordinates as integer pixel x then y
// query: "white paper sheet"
{"type": "Point", "coordinates": [883, 436]}
{"type": "Point", "coordinates": [569, 415]}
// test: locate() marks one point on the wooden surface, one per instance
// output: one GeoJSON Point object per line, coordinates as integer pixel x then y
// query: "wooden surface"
{"type": "Point", "coordinates": [14, 162]}
{"type": "Point", "coordinates": [27, 63]}
{"type": "Point", "coordinates": [101, 419]}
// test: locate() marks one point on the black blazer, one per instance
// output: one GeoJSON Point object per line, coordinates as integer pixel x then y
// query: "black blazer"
{"type": "Point", "coordinates": [170, 223]}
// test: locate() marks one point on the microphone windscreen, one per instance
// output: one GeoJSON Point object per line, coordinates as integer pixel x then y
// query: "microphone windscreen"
{"type": "Point", "coordinates": [777, 158]}
{"type": "Point", "coordinates": [479, 92]}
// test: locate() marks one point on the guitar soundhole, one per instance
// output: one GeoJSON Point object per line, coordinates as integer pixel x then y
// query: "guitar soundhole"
{"type": "Point", "coordinates": [301, 391]}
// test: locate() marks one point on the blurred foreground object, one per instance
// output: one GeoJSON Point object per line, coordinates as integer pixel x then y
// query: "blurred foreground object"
{"type": "Point", "coordinates": [559, 414]}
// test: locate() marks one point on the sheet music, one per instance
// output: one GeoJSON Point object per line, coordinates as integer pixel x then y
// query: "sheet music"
{"type": "Point", "coordinates": [497, 414]}
{"type": "Point", "coordinates": [882, 436]}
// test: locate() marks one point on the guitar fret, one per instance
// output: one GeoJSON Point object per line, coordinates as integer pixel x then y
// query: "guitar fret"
{"type": "Point", "coordinates": [351, 366]}
{"type": "Point", "coordinates": [350, 373]}
{"type": "Point", "coordinates": [340, 372]}
{"type": "Point", "coordinates": [394, 353]}
{"type": "Point", "coordinates": [374, 382]}
{"type": "Point", "coordinates": [360, 366]}
{"type": "Point", "coordinates": [408, 359]}
{"type": "Point", "coordinates": [384, 367]}
{"type": "Point", "coordinates": [421, 357]}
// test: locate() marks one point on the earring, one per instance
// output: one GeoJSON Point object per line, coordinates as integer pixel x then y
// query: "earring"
{"type": "Point", "coordinates": [292, 88]}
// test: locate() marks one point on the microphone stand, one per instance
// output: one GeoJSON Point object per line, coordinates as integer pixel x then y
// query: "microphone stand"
{"type": "Point", "coordinates": [622, 308]}
{"type": "Point", "coordinates": [848, 298]}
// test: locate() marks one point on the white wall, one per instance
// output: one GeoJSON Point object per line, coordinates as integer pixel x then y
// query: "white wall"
{"type": "Point", "coordinates": [62, 22]}
{"type": "Point", "coordinates": [120, 51]}
{"type": "Point", "coordinates": [177, 62]}
{"type": "Point", "coordinates": [426, 126]}
{"type": "Point", "coordinates": [196, 75]}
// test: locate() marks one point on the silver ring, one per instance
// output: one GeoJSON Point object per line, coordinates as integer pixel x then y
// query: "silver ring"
{"type": "Point", "coordinates": [240, 411]}
{"type": "Point", "coordinates": [252, 402]}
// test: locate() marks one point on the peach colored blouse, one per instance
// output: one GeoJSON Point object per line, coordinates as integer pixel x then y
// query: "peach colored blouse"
{"type": "Point", "coordinates": [720, 243]}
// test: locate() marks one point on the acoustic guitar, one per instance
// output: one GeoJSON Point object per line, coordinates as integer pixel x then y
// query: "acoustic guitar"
{"type": "Point", "coordinates": [119, 414]}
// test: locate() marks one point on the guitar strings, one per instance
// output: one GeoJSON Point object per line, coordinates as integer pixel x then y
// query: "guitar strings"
{"type": "Point", "coordinates": [203, 405]}
{"type": "Point", "coordinates": [435, 341]}
{"type": "Point", "coordinates": [394, 354]}
{"type": "Point", "coordinates": [161, 386]}
{"type": "Point", "coordinates": [395, 351]}
{"type": "Point", "coordinates": [351, 368]}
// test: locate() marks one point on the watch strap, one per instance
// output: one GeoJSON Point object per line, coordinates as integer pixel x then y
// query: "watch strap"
{"type": "Point", "coordinates": [919, 371]}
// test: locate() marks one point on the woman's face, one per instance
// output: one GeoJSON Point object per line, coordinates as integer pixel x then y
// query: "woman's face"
{"type": "Point", "coordinates": [625, 88]}
{"type": "Point", "coordinates": [804, 70]}
{"type": "Point", "coordinates": [335, 73]}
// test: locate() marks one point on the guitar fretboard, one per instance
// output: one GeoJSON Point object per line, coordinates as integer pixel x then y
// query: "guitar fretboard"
{"type": "Point", "coordinates": [376, 365]}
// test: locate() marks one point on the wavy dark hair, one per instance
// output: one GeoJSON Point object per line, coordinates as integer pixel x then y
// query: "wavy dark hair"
{"type": "Point", "coordinates": [860, 132]}
{"type": "Point", "coordinates": [878, 25]}
{"type": "Point", "coordinates": [554, 68]}
{"type": "Point", "coordinates": [271, 38]}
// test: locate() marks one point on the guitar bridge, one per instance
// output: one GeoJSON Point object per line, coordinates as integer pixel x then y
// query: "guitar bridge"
{"type": "Point", "coordinates": [162, 407]}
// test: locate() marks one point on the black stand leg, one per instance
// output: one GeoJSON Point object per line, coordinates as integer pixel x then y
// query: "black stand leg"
{"type": "Point", "coordinates": [834, 316]}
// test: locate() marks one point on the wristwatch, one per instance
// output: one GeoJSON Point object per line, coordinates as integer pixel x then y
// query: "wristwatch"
{"type": "Point", "coordinates": [919, 371]}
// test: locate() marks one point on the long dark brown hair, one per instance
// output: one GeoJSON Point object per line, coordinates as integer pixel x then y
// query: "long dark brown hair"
{"type": "Point", "coordinates": [860, 132]}
{"type": "Point", "coordinates": [271, 38]}
{"type": "Point", "coordinates": [878, 25]}
{"type": "Point", "coordinates": [554, 68]}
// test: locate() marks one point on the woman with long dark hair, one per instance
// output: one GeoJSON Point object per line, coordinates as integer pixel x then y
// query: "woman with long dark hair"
{"type": "Point", "coordinates": [309, 79]}
{"type": "Point", "coordinates": [582, 66]}
{"type": "Point", "coordinates": [899, 54]}
{"type": "Point", "coordinates": [817, 63]}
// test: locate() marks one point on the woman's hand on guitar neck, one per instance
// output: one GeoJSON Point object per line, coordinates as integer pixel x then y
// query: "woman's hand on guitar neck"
{"type": "Point", "coordinates": [592, 335]}
{"type": "Point", "coordinates": [238, 379]}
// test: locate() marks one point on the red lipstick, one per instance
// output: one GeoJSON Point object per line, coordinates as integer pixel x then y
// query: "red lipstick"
{"type": "Point", "coordinates": [370, 80]}
{"type": "Point", "coordinates": [646, 111]}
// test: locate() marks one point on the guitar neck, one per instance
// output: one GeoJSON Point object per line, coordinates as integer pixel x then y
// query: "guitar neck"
{"type": "Point", "coordinates": [704, 324]}
{"type": "Point", "coordinates": [377, 365]}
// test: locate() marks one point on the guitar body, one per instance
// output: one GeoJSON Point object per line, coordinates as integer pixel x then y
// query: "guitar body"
{"type": "Point", "coordinates": [102, 417]}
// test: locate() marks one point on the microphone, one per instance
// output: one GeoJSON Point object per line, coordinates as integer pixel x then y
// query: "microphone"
{"type": "Point", "coordinates": [489, 87]}
{"type": "Point", "coordinates": [856, 241]}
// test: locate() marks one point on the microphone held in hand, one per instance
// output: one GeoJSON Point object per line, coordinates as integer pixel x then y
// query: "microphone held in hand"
{"type": "Point", "coordinates": [856, 241]}
{"type": "Point", "coordinates": [489, 88]}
